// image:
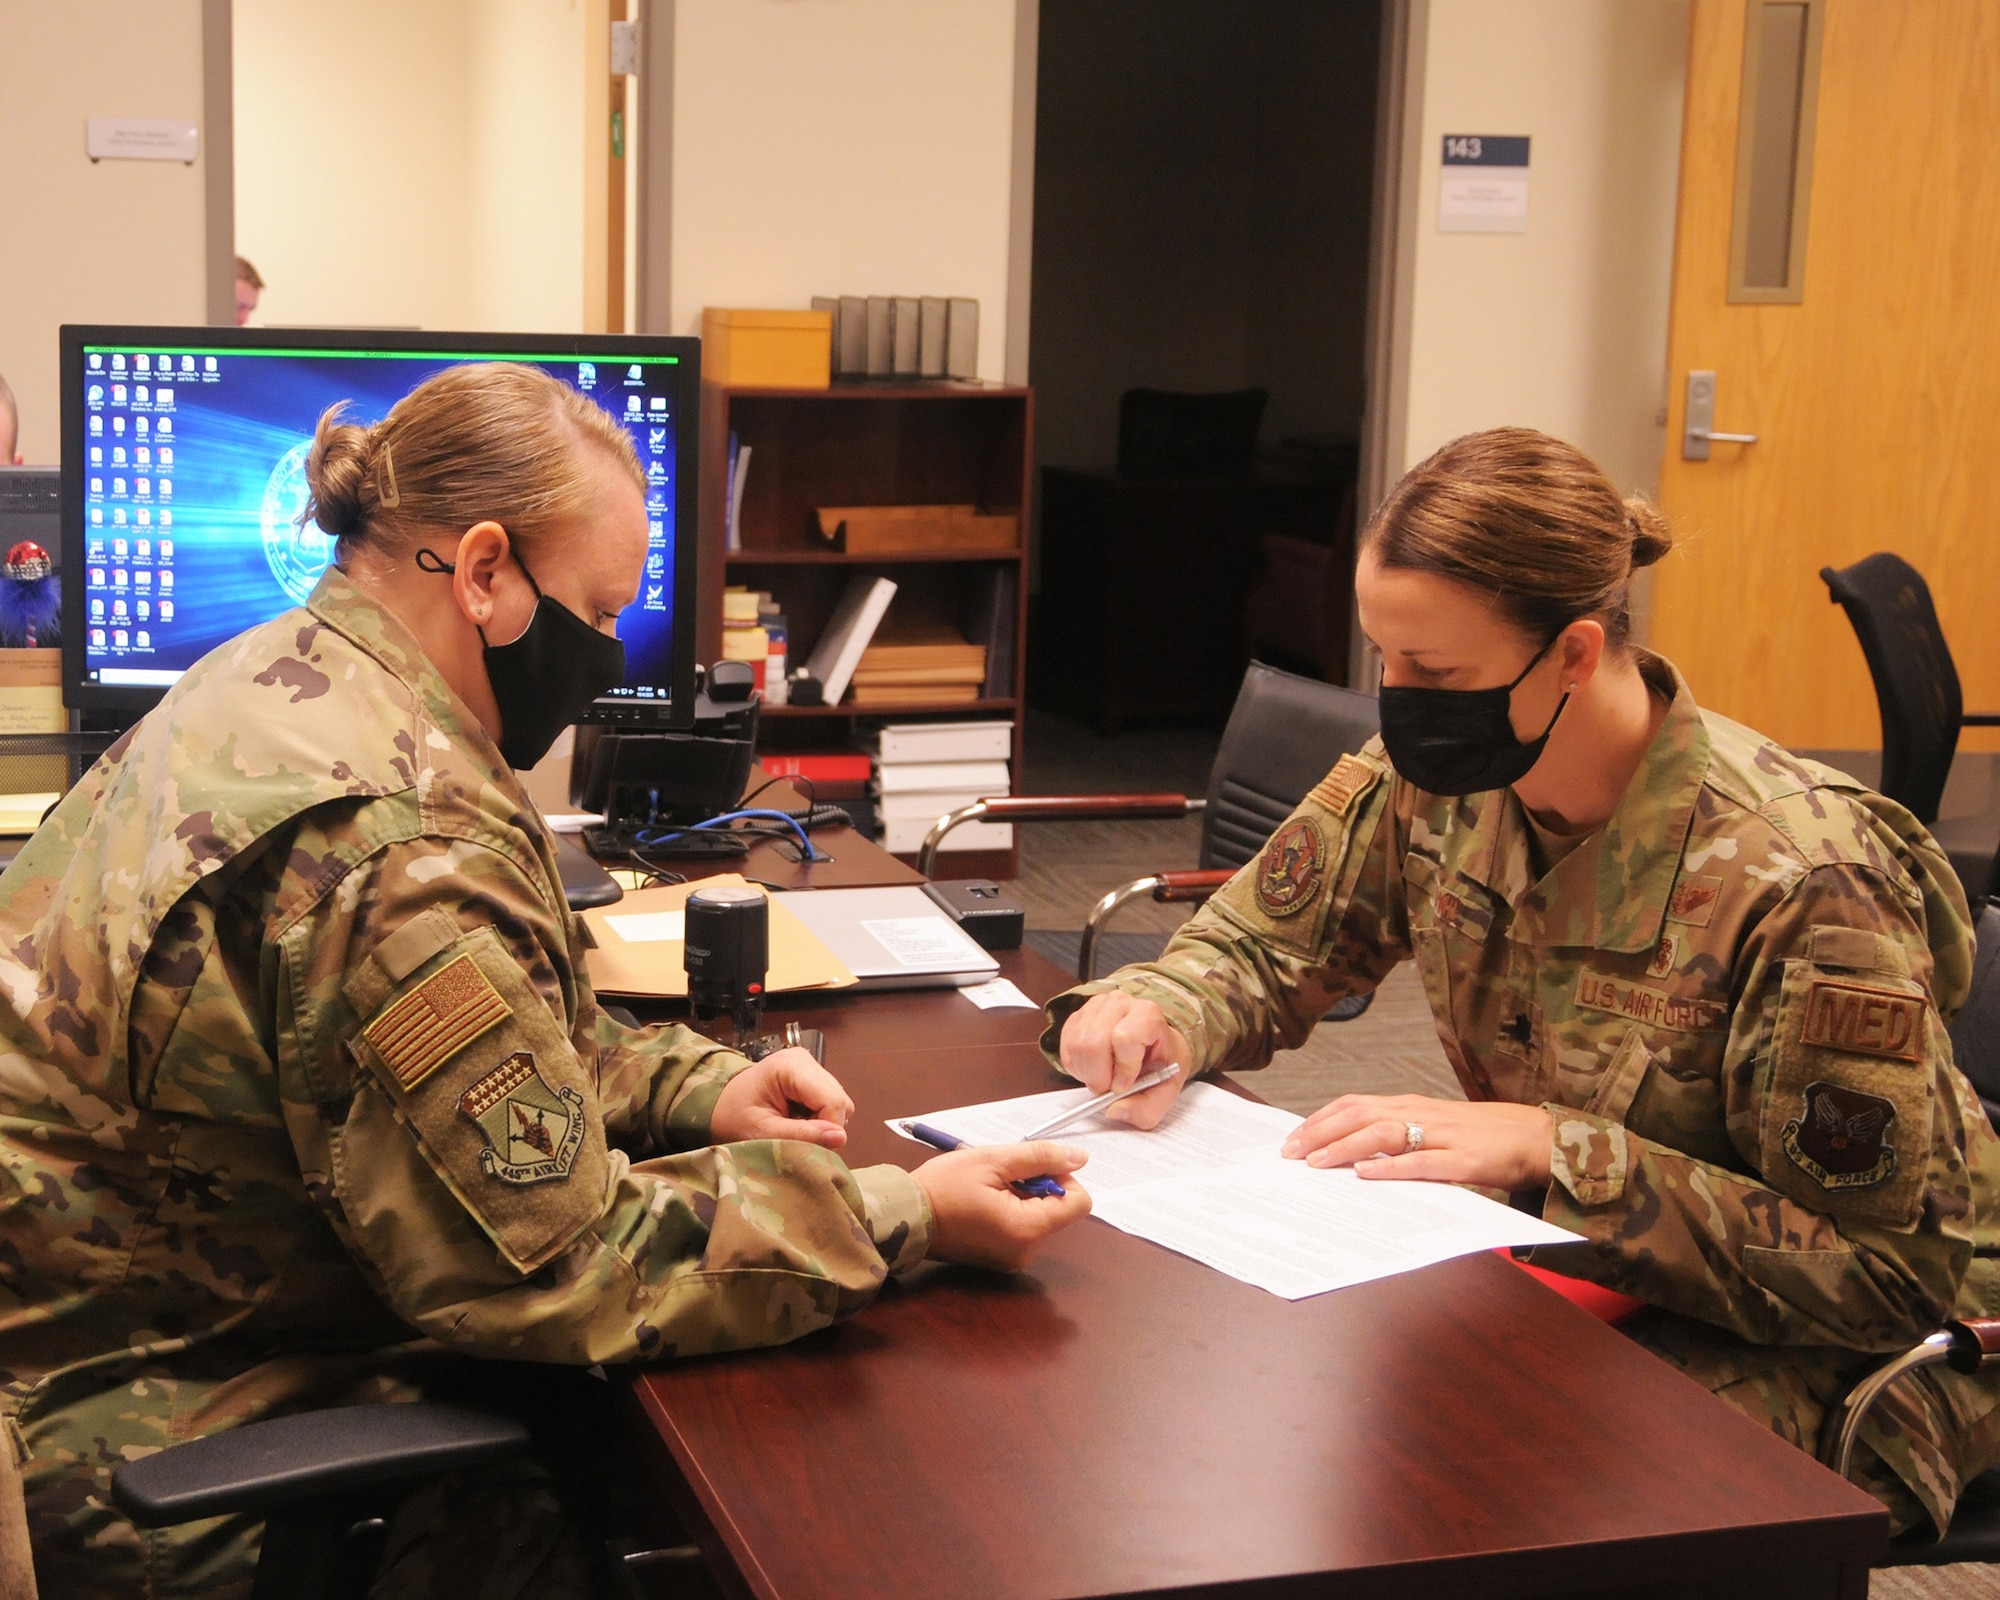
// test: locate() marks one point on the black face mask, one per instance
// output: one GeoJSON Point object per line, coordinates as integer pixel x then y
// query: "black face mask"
{"type": "Point", "coordinates": [1460, 741]}
{"type": "Point", "coordinates": [547, 678]}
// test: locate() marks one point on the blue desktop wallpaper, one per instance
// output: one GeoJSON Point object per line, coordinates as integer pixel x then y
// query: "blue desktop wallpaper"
{"type": "Point", "coordinates": [194, 479]}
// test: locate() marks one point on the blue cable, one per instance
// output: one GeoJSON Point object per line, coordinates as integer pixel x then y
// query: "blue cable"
{"type": "Point", "coordinates": [805, 844]}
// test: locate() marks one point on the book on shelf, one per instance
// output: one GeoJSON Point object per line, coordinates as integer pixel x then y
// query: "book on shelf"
{"type": "Point", "coordinates": [881, 342]}
{"type": "Point", "coordinates": [739, 473]}
{"type": "Point", "coordinates": [729, 495]}
{"type": "Point", "coordinates": [905, 836]}
{"type": "Point", "coordinates": [930, 336]}
{"type": "Point", "coordinates": [903, 331]}
{"type": "Point", "coordinates": [867, 677]}
{"type": "Point", "coordinates": [961, 339]}
{"type": "Point", "coordinates": [988, 619]}
{"type": "Point", "coordinates": [916, 694]}
{"type": "Point", "coordinates": [848, 632]}
{"type": "Point", "coordinates": [850, 352]}
{"type": "Point", "coordinates": [990, 740]}
{"type": "Point", "coordinates": [834, 775]}
{"type": "Point", "coordinates": [928, 805]}
{"type": "Point", "coordinates": [979, 778]}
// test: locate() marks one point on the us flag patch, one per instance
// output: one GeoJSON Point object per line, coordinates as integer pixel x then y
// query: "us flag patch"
{"type": "Point", "coordinates": [436, 1020]}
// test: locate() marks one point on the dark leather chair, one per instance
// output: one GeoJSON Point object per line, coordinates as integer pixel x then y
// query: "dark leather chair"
{"type": "Point", "coordinates": [1283, 736]}
{"type": "Point", "coordinates": [1917, 689]}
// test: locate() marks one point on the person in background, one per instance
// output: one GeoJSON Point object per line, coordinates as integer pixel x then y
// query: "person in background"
{"type": "Point", "coordinates": [307, 1096]}
{"type": "Point", "coordinates": [249, 290]}
{"type": "Point", "coordinates": [1694, 987]}
{"type": "Point", "coordinates": [10, 426]}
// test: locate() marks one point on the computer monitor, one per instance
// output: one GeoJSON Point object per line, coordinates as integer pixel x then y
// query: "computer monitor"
{"type": "Point", "coordinates": [183, 478]}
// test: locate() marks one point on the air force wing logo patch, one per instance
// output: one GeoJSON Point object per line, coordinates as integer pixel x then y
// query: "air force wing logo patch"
{"type": "Point", "coordinates": [1290, 868]}
{"type": "Point", "coordinates": [1841, 1140]}
{"type": "Point", "coordinates": [532, 1131]}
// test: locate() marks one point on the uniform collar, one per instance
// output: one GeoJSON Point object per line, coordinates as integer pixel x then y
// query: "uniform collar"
{"type": "Point", "coordinates": [1611, 892]}
{"type": "Point", "coordinates": [340, 603]}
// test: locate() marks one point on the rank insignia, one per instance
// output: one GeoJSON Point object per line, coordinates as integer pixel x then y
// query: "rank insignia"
{"type": "Point", "coordinates": [532, 1131]}
{"type": "Point", "coordinates": [436, 1020]}
{"type": "Point", "coordinates": [1839, 1140]}
{"type": "Point", "coordinates": [1289, 871]}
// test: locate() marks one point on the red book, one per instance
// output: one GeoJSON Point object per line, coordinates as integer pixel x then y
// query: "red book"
{"type": "Point", "coordinates": [844, 767]}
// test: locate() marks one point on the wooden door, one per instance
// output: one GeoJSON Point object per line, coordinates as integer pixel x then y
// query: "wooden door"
{"type": "Point", "coordinates": [1874, 395]}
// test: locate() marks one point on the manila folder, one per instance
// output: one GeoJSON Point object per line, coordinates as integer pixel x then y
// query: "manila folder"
{"type": "Point", "coordinates": [641, 945]}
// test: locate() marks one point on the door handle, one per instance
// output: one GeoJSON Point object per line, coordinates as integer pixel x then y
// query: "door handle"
{"type": "Point", "coordinates": [1698, 430]}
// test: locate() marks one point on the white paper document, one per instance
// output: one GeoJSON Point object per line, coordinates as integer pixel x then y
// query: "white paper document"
{"type": "Point", "coordinates": [999, 994]}
{"type": "Point", "coordinates": [1209, 1182]}
{"type": "Point", "coordinates": [649, 927]}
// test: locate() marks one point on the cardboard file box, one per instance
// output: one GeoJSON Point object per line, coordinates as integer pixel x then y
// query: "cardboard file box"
{"type": "Point", "coordinates": [767, 349]}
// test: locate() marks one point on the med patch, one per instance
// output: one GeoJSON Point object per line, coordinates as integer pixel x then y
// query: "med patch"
{"type": "Point", "coordinates": [435, 1020]}
{"type": "Point", "coordinates": [1859, 1019]}
{"type": "Point", "coordinates": [1841, 1139]}
{"type": "Point", "coordinates": [1290, 869]}
{"type": "Point", "coordinates": [532, 1131]}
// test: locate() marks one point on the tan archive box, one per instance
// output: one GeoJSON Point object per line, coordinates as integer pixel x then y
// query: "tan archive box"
{"type": "Point", "coordinates": [767, 349]}
{"type": "Point", "coordinates": [31, 702]}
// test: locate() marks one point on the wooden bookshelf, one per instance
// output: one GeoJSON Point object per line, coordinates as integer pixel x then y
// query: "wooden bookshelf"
{"type": "Point", "coordinates": [857, 444]}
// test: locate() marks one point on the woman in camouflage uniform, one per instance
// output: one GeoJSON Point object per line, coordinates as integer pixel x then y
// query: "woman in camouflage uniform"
{"type": "Point", "coordinates": [1694, 987]}
{"type": "Point", "coordinates": [304, 1093]}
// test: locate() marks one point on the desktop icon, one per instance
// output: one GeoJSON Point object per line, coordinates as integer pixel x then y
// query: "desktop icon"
{"type": "Point", "coordinates": [208, 363]}
{"type": "Point", "coordinates": [97, 517]}
{"type": "Point", "coordinates": [187, 363]}
{"type": "Point", "coordinates": [144, 609]}
{"type": "Point", "coordinates": [97, 455]}
{"type": "Point", "coordinates": [118, 425]}
{"type": "Point", "coordinates": [143, 456]}
{"type": "Point", "coordinates": [166, 455]}
{"type": "Point", "coordinates": [118, 638]}
{"type": "Point", "coordinates": [658, 403]}
{"type": "Point", "coordinates": [118, 578]}
{"type": "Point", "coordinates": [97, 394]}
{"type": "Point", "coordinates": [97, 577]}
{"type": "Point", "coordinates": [118, 516]}
{"type": "Point", "coordinates": [142, 579]}
{"type": "Point", "coordinates": [166, 488]}
{"type": "Point", "coordinates": [143, 549]}
{"type": "Point", "coordinates": [96, 609]}
{"type": "Point", "coordinates": [117, 610]}
{"type": "Point", "coordinates": [656, 565]}
{"type": "Point", "coordinates": [167, 545]}
{"type": "Point", "coordinates": [167, 521]}
{"type": "Point", "coordinates": [656, 439]}
{"type": "Point", "coordinates": [118, 394]}
{"type": "Point", "coordinates": [144, 518]}
{"type": "Point", "coordinates": [96, 424]}
{"type": "Point", "coordinates": [166, 580]}
{"type": "Point", "coordinates": [139, 426]}
{"type": "Point", "coordinates": [97, 488]}
{"type": "Point", "coordinates": [631, 404]}
{"type": "Point", "coordinates": [96, 363]}
{"type": "Point", "coordinates": [142, 487]}
{"type": "Point", "coordinates": [166, 424]}
{"type": "Point", "coordinates": [118, 455]}
{"type": "Point", "coordinates": [586, 374]}
{"type": "Point", "coordinates": [118, 486]}
{"type": "Point", "coordinates": [141, 395]}
{"type": "Point", "coordinates": [117, 363]}
{"type": "Point", "coordinates": [634, 375]}
{"type": "Point", "coordinates": [656, 472]}
{"type": "Point", "coordinates": [656, 594]}
{"type": "Point", "coordinates": [143, 639]}
{"type": "Point", "coordinates": [139, 363]}
{"type": "Point", "coordinates": [97, 638]}
{"type": "Point", "coordinates": [166, 611]}
{"type": "Point", "coordinates": [164, 399]}
{"type": "Point", "coordinates": [118, 548]}
{"type": "Point", "coordinates": [96, 549]}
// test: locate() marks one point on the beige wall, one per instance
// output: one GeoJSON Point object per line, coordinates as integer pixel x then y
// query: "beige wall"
{"type": "Point", "coordinates": [1564, 327]}
{"type": "Point", "coordinates": [114, 241]}
{"type": "Point", "coordinates": [415, 162]}
{"type": "Point", "coordinates": [842, 147]}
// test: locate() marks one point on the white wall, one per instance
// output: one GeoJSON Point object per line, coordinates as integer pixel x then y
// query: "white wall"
{"type": "Point", "coordinates": [842, 147]}
{"type": "Point", "coordinates": [1563, 328]}
{"type": "Point", "coordinates": [414, 163]}
{"type": "Point", "coordinates": [114, 241]}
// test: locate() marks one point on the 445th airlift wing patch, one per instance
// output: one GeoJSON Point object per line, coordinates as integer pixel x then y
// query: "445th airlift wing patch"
{"type": "Point", "coordinates": [532, 1131]}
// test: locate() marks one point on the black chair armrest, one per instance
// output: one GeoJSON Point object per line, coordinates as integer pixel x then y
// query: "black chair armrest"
{"type": "Point", "coordinates": [1980, 719]}
{"type": "Point", "coordinates": [263, 1465]}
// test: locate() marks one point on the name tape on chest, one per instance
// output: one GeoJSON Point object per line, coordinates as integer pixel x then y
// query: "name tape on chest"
{"type": "Point", "coordinates": [1861, 1020]}
{"type": "Point", "coordinates": [1642, 1003]}
{"type": "Point", "coordinates": [437, 1019]}
{"type": "Point", "coordinates": [1351, 776]}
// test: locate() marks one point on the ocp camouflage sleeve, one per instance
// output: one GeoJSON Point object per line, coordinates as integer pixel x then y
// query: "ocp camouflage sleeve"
{"type": "Point", "coordinates": [1863, 1161]}
{"type": "Point", "coordinates": [470, 1158]}
{"type": "Point", "coordinates": [1317, 916]}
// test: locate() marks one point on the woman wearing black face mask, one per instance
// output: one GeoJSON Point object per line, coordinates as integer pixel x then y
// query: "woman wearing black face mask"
{"type": "Point", "coordinates": [305, 1072]}
{"type": "Point", "coordinates": [1694, 988]}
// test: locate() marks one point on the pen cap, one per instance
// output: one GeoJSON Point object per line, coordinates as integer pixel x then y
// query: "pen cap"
{"type": "Point", "coordinates": [728, 945]}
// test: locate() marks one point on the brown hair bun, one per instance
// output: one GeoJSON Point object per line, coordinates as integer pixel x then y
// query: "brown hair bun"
{"type": "Point", "coordinates": [337, 475]}
{"type": "Point", "coordinates": [1651, 537]}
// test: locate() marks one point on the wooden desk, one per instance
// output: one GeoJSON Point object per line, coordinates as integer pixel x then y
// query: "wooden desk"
{"type": "Point", "coordinates": [1120, 1421]}
{"type": "Point", "coordinates": [857, 863]}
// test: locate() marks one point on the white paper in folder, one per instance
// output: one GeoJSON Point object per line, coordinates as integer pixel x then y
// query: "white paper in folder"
{"type": "Point", "coordinates": [895, 938]}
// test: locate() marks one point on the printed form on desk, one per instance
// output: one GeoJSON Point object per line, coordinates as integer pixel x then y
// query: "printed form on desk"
{"type": "Point", "coordinates": [1209, 1183]}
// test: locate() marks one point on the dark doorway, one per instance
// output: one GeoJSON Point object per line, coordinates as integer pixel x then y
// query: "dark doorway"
{"type": "Point", "coordinates": [1203, 178]}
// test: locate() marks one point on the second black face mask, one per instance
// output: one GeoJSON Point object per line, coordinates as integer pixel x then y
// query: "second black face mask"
{"type": "Point", "coordinates": [1460, 741]}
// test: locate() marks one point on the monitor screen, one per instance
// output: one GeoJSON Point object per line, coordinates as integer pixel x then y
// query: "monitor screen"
{"type": "Point", "coordinates": [184, 456]}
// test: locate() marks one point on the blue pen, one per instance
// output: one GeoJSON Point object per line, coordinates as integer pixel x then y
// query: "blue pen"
{"type": "Point", "coordinates": [1043, 1188]}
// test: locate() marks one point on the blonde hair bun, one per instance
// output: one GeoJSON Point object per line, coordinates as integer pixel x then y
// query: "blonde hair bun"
{"type": "Point", "coordinates": [1651, 537]}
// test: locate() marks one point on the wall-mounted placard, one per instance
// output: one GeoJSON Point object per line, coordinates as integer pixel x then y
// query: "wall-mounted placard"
{"type": "Point", "coordinates": [141, 139]}
{"type": "Point", "coordinates": [1483, 185]}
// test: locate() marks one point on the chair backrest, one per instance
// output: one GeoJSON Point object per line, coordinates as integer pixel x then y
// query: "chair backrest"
{"type": "Point", "coordinates": [1916, 684]}
{"type": "Point", "coordinates": [1162, 434]}
{"type": "Point", "coordinates": [1284, 734]}
{"type": "Point", "coordinates": [1975, 1031]}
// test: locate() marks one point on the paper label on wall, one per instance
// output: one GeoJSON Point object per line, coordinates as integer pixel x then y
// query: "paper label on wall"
{"type": "Point", "coordinates": [141, 139]}
{"type": "Point", "coordinates": [1483, 184]}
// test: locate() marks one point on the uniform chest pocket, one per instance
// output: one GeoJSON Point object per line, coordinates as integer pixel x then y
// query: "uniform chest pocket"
{"type": "Point", "coordinates": [1846, 1123]}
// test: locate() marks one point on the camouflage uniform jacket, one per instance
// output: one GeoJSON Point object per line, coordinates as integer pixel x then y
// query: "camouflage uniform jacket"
{"type": "Point", "coordinates": [300, 1055]}
{"type": "Point", "coordinates": [1729, 998]}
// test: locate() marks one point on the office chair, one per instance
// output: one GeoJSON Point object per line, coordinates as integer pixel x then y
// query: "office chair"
{"type": "Point", "coordinates": [1284, 735]}
{"type": "Point", "coordinates": [1917, 689]}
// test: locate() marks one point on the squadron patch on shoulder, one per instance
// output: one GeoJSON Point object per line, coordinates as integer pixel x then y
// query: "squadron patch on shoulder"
{"type": "Point", "coordinates": [437, 1019]}
{"type": "Point", "coordinates": [532, 1131]}
{"type": "Point", "coordinates": [1693, 899]}
{"type": "Point", "coordinates": [1861, 1020]}
{"type": "Point", "coordinates": [1840, 1141]}
{"type": "Point", "coordinates": [1290, 868]}
{"type": "Point", "coordinates": [1350, 776]}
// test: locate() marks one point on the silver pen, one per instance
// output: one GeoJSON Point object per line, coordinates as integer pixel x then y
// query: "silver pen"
{"type": "Point", "coordinates": [1063, 1119]}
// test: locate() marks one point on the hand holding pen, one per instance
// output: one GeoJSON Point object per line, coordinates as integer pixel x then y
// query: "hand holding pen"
{"type": "Point", "coordinates": [979, 1216]}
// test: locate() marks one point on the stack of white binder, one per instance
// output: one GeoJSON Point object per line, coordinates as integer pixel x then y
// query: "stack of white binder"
{"type": "Point", "coordinates": [925, 769]}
